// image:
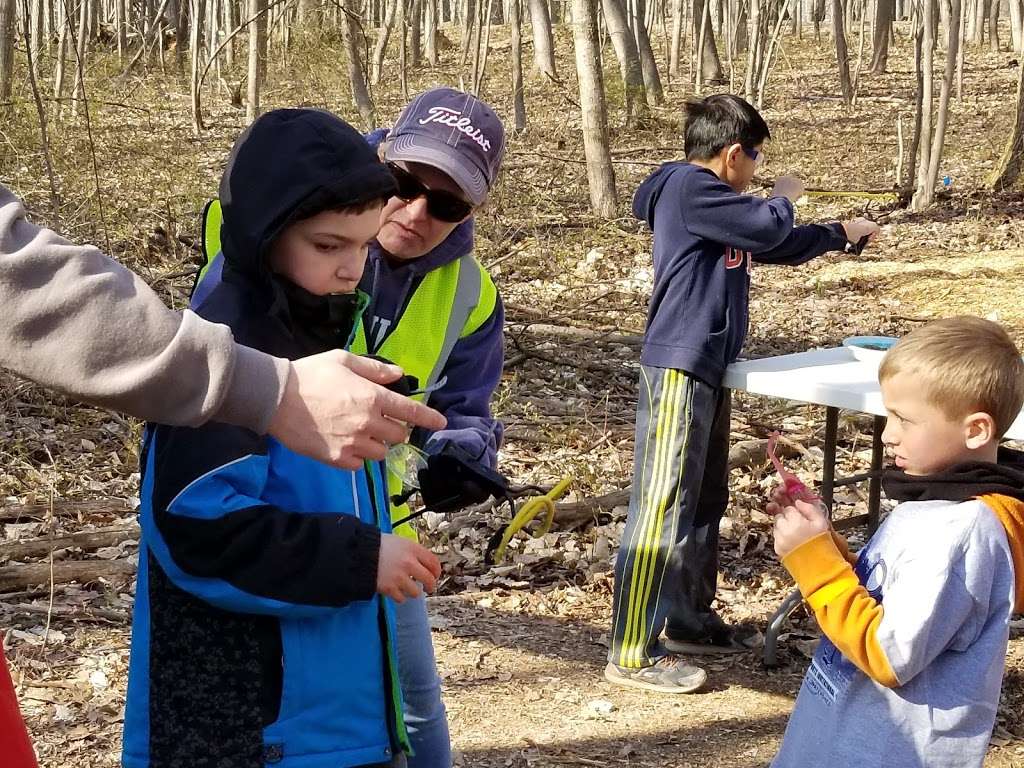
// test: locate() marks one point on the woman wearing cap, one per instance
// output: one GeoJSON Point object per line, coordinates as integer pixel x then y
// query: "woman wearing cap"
{"type": "Point", "coordinates": [435, 312]}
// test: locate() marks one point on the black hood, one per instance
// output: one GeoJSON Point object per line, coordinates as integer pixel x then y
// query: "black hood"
{"type": "Point", "coordinates": [961, 481]}
{"type": "Point", "coordinates": [288, 165]}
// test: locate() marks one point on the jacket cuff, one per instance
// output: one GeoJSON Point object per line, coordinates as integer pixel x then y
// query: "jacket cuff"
{"type": "Point", "coordinates": [839, 239]}
{"type": "Point", "coordinates": [815, 564]}
{"type": "Point", "coordinates": [254, 391]}
{"type": "Point", "coordinates": [361, 559]}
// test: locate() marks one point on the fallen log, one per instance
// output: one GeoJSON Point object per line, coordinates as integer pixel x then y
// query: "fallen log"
{"type": "Point", "coordinates": [18, 576]}
{"type": "Point", "coordinates": [43, 545]}
{"type": "Point", "coordinates": [80, 510]}
{"type": "Point", "coordinates": [578, 334]}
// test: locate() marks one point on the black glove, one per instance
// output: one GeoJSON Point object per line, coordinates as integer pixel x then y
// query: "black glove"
{"type": "Point", "coordinates": [453, 480]}
{"type": "Point", "coordinates": [405, 385]}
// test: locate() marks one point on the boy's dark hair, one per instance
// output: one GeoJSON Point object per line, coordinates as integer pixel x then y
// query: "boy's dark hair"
{"type": "Point", "coordinates": [719, 121]}
{"type": "Point", "coordinates": [360, 206]}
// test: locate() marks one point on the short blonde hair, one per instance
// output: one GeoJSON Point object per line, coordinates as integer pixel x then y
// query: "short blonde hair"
{"type": "Point", "coordinates": [964, 365]}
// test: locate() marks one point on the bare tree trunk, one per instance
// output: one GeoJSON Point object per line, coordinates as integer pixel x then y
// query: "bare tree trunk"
{"type": "Point", "coordinates": [818, 16]}
{"type": "Point", "coordinates": [915, 141]}
{"type": "Point", "coordinates": [753, 51]}
{"type": "Point", "coordinates": [81, 49]}
{"type": "Point", "coordinates": [257, 45]}
{"type": "Point", "coordinates": [677, 37]}
{"type": "Point", "coordinates": [925, 192]}
{"type": "Point", "coordinates": [842, 54]}
{"type": "Point", "coordinates": [709, 62]}
{"type": "Point", "coordinates": [952, 47]}
{"type": "Point", "coordinates": [993, 25]}
{"type": "Point", "coordinates": [518, 103]}
{"type": "Point", "coordinates": [230, 13]}
{"type": "Point", "coordinates": [880, 38]}
{"type": "Point", "coordinates": [60, 71]}
{"type": "Point", "coordinates": [543, 39]}
{"type": "Point", "coordinates": [354, 41]}
{"type": "Point", "coordinates": [196, 44]}
{"type": "Point", "coordinates": [1016, 25]}
{"type": "Point", "coordinates": [33, 68]}
{"type": "Point", "coordinates": [382, 39]}
{"type": "Point", "coordinates": [403, 59]}
{"type": "Point", "coordinates": [431, 22]}
{"type": "Point", "coordinates": [648, 66]}
{"type": "Point", "coordinates": [629, 58]}
{"type": "Point", "coordinates": [600, 174]}
{"type": "Point", "coordinates": [470, 28]}
{"type": "Point", "coordinates": [35, 30]}
{"type": "Point", "coordinates": [483, 44]}
{"type": "Point", "coordinates": [1012, 161]}
{"type": "Point", "coordinates": [415, 31]}
{"type": "Point", "coordinates": [8, 15]}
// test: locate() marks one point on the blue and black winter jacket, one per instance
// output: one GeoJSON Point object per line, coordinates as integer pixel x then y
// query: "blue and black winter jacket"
{"type": "Point", "coordinates": [258, 635]}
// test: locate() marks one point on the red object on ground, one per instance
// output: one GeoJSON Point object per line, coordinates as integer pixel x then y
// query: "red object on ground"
{"type": "Point", "coordinates": [794, 486]}
{"type": "Point", "coordinates": [15, 748]}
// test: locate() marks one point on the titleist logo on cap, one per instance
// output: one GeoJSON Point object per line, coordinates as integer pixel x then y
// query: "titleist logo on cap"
{"type": "Point", "coordinates": [453, 118]}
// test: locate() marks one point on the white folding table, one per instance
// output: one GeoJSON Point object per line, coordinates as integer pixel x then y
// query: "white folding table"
{"type": "Point", "coordinates": [840, 377]}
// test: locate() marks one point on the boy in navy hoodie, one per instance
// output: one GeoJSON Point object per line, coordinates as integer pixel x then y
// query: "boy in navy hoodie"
{"type": "Point", "coordinates": [261, 632]}
{"type": "Point", "coordinates": [707, 234]}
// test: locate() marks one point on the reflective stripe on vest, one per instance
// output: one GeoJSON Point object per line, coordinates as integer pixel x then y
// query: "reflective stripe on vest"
{"type": "Point", "coordinates": [213, 218]}
{"type": "Point", "coordinates": [450, 303]}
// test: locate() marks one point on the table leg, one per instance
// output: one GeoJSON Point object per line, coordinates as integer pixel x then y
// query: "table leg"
{"type": "Point", "coordinates": [771, 637]}
{"type": "Point", "coordinates": [828, 470]}
{"type": "Point", "coordinates": [875, 484]}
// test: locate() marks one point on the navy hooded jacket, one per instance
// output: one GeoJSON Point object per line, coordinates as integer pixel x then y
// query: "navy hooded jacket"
{"type": "Point", "coordinates": [706, 237]}
{"type": "Point", "coordinates": [258, 635]}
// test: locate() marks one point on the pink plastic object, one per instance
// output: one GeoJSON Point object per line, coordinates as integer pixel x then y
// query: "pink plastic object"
{"type": "Point", "coordinates": [794, 486]}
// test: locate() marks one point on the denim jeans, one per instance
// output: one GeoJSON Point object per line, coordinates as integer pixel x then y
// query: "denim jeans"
{"type": "Point", "coordinates": [425, 716]}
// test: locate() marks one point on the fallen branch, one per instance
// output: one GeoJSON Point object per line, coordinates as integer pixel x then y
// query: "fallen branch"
{"type": "Point", "coordinates": [43, 545]}
{"type": "Point", "coordinates": [80, 510]}
{"type": "Point", "coordinates": [746, 453]}
{"type": "Point", "coordinates": [581, 334]}
{"type": "Point", "coordinates": [18, 576]}
{"type": "Point", "coordinates": [83, 613]}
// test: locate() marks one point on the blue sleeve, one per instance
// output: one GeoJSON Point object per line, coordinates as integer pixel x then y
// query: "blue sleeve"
{"type": "Point", "coordinates": [805, 243]}
{"type": "Point", "coordinates": [206, 520]}
{"type": "Point", "coordinates": [376, 136]}
{"type": "Point", "coordinates": [713, 211]}
{"type": "Point", "coordinates": [474, 371]}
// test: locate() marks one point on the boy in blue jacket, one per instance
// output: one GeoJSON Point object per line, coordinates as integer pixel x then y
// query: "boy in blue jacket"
{"type": "Point", "coordinates": [435, 312]}
{"type": "Point", "coordinates": [261, 633]}
{"type": "Point", "coordinates": [707, 234]}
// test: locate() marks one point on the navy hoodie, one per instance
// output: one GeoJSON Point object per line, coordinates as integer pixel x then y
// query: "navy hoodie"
{"type": "Point", "coordinates": [706, 237]}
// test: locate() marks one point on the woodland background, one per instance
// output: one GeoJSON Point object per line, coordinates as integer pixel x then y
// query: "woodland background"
{"type": "Point", "coordinates": [115, 120]}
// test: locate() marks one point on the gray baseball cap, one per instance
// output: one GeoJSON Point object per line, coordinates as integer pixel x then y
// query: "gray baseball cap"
{"type": "Point", "coordinates": [454, 132]}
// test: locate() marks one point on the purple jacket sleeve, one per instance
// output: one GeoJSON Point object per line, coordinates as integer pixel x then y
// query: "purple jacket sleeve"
{"type": "Point", "coordinates": [474, 371]}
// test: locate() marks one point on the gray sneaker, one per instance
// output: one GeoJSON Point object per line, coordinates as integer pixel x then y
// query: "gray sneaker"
{"type": "Point", "coordinates": [667, 675]}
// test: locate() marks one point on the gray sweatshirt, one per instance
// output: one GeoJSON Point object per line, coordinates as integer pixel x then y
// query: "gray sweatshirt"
{"type": "Point", "coordinates": [944, 574]}
{"type": "Point", "coordinates": [79, 322]}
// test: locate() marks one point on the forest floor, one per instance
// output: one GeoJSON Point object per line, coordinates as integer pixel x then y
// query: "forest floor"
{"type": "Point", "coordinates": [520, 645]}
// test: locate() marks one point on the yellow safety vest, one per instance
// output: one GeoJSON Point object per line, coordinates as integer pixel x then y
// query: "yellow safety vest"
{"type": "Point", "coordinates": [450, 303]}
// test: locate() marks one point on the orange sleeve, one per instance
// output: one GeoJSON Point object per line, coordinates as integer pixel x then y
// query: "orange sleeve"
{"type": "Point", "coordinates": [846, 613]}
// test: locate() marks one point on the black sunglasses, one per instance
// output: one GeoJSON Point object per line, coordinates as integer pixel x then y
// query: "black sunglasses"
{"type": "Point", "coordinates": [442, 205]}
